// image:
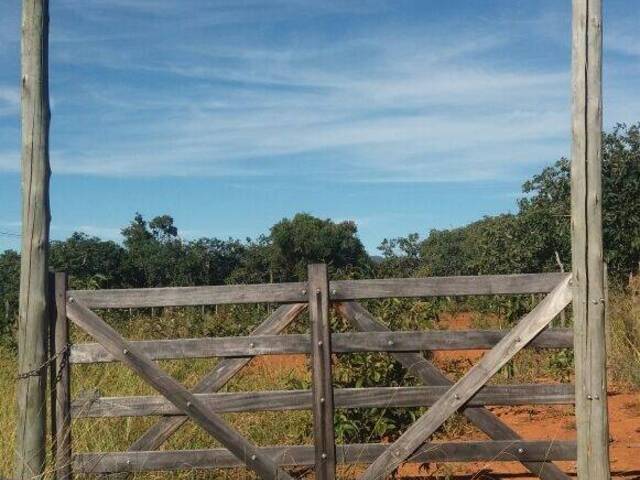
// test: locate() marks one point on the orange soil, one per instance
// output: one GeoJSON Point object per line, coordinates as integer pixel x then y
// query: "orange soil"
{"type": "Point", "coordinates": [557, 423]}
{"type": "Point", "coordinates": [534, 422]}
{"type": "Point", "coordinates": [274, 365]}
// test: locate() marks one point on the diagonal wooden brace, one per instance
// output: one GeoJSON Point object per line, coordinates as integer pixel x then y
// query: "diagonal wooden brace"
{"type": "Point", "coordinates": [160, 432]}
{"type": "Point", "coordinates": [417, 365]}
{"type": "Point", "coordinates": [525, 331]}
{"type": "Point", "coordinates": [175, 392]}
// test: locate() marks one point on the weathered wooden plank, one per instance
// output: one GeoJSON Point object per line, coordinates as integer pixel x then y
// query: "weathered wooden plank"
{"type": "Point", "coordinates": [322, 387]}
{"type": "Point", "coordinates": [159, 433]}
{"type": "Point", "coordinates": [417, 365]}
{"type": "Point", "coordinates": [521, 334]}
{"type": "Point", "coordinates": [339, 290]}
{"type": "Point", "coordinates": [377, 397]}
{"type": "Point", "coordinates": [62, 378]}
{"type": "Point", "coordinates": [351, 342]}
{"type": "Point", "coordinates": [298, 455]}
{"type": "Point", "coordinates": [587, 249]}
{"type": "Point", "coordinates": [164, 384]}
{"type": "Point", "coordinates": [445, 286]}
{"type": "Point", "coordinates": [29, 448]}
{"type": "Point", "coordinates": [294, 292]}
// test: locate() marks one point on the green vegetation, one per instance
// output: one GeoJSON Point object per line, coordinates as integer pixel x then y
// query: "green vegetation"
{"type": "Point", "coordinates": [538, 236]}
{"type": "Point", "coordinates": [535, 239]}
{"type": "Point", "coordinates": [152, 254]}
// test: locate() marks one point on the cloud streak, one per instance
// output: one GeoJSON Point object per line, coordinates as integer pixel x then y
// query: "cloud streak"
{"type": "Point", "coordinates": [246, 89]}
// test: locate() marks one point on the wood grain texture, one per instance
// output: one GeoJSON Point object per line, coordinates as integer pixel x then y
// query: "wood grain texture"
{"type": "Point", "coordinates": [339, 290]}
{"type": "Point", "coordinates": [521, 334]}
{"type": "Point", "coordinates": [299, 455]}
{"type": "Point", "coordinates": [62, 376]}
{"type": "Point", "coordinates": [189, 296]}
{"type": "Point", "coordinates": [321, 385]}
{"type": "Point", "coordinates": [587, 249]}
{"type": "Point", "coordinates": [177, 394]}
{"type": "Point", "coordinates": [378, 397]}
{"type": "Point", "coordinates": [417, 365]}
{"type": "Point", "coordinates": [351, 342]}
{"type": "Point", "coordinates": [159, 433]}
{"type": "Point", "coordinates": [445, 286]}
{"type": "Point", "coordinates": [33, 318]}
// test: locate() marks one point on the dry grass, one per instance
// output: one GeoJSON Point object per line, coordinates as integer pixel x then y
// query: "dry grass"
{"type": "Point", "coordinates": [624, 335]}
{"type": "Point", "coordinates": [7, 412]}
{"type": "Point", "coordinates": [266, 428]}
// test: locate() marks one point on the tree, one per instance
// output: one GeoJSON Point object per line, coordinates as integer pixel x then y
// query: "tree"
{"type": "Point", "coordinates": [90, 261]}
{"type": "Point", "coordinates": [546, 209]}
{"type": "Point", "coordinates": [307, 239]}
{"type": "Point", "coordinates": [154, 253]}
{"type": "Point", "coordinates": [540, 233]}
{"type": "Point", "coordinates": [401, 256]}
{"type": "Point", "coordinates": [9, 287]}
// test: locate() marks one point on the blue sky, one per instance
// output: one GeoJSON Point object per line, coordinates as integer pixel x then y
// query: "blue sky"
{"type": "Point", "coordinates": [230, 115]}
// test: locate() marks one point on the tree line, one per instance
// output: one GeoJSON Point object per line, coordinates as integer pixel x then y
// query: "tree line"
{"type": "Point", "coordinates": [536, 238]}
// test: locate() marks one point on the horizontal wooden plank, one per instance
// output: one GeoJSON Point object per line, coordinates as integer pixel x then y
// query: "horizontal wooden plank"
{"type": "Point", "coordinates": [423, 369]}
{"type": "Point", "coordinates": [446, 286]}
{"type": "Point", "coordinates": [212, 423]}
{"type": "Point", "coordinates": [188, 296]}
{"type": "Point", "coordinates": [339, 290]}
{"type": "Point", "coordinates": [352, 342]}
{"type": "Point", "coordinates": [528, 328]}
{"type": "Point", "coordinates": [495, 451]}
{"type": "Point", "coordinates": [380, 397]}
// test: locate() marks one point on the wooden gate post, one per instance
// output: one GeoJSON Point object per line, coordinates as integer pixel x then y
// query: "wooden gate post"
{"type": "Point", "coordinates": [34, 269]}
{"type": "Point", "coordinates": [61, 384]}
{"type": "Point", "coordinates": [322, 388]}
{"type": "Point", "coordinates": [587, 250]}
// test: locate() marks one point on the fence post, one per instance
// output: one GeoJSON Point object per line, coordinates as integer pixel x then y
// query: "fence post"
{"type": "Point", "coordinates": [61, 409]}
{"type": "Point", "coordinates": [322, 388]}
{"type": "Point", "coordinates": [587, 250]}
{"type": "Point", "coordinates": [31, 399]}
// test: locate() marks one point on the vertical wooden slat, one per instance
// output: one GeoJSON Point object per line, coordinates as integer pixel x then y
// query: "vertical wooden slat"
{"type": "Point", "coordinates": [34, 269]}
{"type": "Point", "coordinates": [51, 348]}
{"type": "Point", "coordinates": [62, 406]}
{"type": "Point", "coordinates": [587, 250]}
{"type": "Point", "coordinates": [322, 389]}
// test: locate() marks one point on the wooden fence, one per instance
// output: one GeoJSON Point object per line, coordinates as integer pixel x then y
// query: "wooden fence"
{"type": "Point", "coordinates": [175, 404]}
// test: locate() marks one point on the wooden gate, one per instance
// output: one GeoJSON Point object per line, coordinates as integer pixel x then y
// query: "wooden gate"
{"type": "Point", "coordinates": [176, 404]}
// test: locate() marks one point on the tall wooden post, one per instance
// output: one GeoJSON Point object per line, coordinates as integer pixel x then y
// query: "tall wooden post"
{"type": "Point", "coordinates": [33, 321]}
{"type": "Point", "coordinates": [587, 250]}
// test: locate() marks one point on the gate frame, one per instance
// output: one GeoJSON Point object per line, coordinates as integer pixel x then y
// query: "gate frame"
{"type": "Point", "coordinates": [440, 394]}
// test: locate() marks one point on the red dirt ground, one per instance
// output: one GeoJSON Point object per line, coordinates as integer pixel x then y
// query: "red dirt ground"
{"type": "Point", "coordinates": [535, 422]}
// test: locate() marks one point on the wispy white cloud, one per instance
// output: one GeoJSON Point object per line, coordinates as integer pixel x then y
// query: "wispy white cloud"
{"type": "Point", "coordinates": [233, 91]}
